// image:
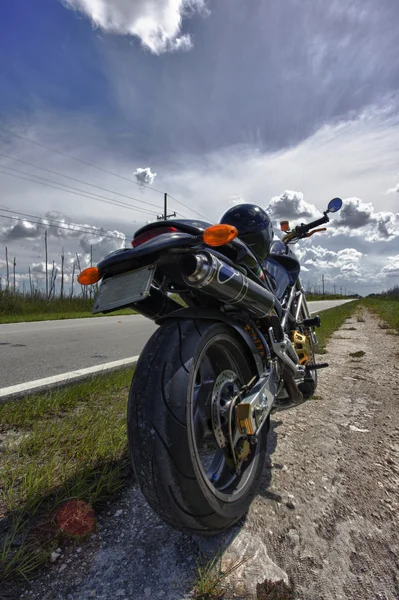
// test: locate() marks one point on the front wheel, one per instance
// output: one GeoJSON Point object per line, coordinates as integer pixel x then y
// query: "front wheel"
{"type": "Point", "coordinates": [178, 415]}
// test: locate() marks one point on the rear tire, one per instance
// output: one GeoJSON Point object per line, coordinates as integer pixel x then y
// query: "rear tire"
{"type": "Point", "coordinates": [167, 400]}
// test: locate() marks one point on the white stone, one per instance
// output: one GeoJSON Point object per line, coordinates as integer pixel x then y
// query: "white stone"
{"type": "Point", "coordinates": [54, 556]}
{"type": "Point", "coordinates": [258, 566]}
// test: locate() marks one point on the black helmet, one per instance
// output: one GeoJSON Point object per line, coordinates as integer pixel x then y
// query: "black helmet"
{"type": "Point", "coordinates": [253, 225]}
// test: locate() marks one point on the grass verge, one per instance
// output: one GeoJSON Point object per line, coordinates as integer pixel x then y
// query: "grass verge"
{"type": "Point", "coordinates": [331, 320]}
{"type": "Point", "coordinates": [65, 444]}
{"type": "Point", "coordinates": [16, 308]}
{"type": "Point", "coordinates": [386, 308]}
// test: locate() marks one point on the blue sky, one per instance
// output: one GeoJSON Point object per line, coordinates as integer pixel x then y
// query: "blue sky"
{"type": "Point", "coordinates": [223, 100]}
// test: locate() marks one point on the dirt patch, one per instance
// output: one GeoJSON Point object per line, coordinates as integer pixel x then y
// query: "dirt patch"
{"type": "Point", "coordinates": [325, 521]}
{"type": "Point", "coordinates": [357, 354]}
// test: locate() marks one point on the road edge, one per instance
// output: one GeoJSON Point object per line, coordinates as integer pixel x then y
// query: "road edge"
{"type": "Point", "coordinates": [13, 392]}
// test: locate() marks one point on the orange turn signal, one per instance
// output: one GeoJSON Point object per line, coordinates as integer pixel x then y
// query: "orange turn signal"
{"type": "Point", "coordinates": [285, 225]}
{"type": "Point", "coordinates": [219, 235]}
{"type": "Point", "coordinates": [89, 276]}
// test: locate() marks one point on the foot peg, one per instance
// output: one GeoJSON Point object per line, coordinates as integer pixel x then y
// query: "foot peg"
{"type": "Point", "coordinates": [312, 322]}
{"type": "Point", "coordinates": [317, 366]}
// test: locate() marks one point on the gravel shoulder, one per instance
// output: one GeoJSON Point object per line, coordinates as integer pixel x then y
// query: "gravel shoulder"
{"type": "Point", "coordinates": [326, 519]}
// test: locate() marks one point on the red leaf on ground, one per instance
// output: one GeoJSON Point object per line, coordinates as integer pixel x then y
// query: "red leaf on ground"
{"type": "Point", "coordinates": [76, 517]}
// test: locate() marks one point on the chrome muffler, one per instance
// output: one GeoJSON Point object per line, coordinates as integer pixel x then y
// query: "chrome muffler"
{"type": "Point", "coordinates": [211, 275]}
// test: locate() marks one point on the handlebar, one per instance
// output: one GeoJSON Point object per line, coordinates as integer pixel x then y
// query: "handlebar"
{"type": "Point", "coordinates": [303, 228]}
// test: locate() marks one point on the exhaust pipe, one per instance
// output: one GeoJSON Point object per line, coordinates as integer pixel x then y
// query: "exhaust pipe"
{"type": "Point", "coordinates": [206, 272]}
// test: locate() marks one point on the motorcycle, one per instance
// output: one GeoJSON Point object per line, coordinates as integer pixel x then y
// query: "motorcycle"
{"type": "Point", "coordinates": [205, 384]}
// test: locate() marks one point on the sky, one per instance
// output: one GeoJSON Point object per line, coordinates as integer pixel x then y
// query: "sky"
{"type": "Point", "coordinates": [106, 104]}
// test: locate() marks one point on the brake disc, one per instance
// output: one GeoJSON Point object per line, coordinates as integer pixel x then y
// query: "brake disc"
{"type": "Point", "coordinates": [224, 390]}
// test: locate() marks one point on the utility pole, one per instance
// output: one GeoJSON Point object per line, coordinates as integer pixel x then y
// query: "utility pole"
{"type": "Point", "coordinates": [46, 253]}
{"type": "Point", "coordinates": [62, 274]}
{"type": "Point", "coordinates": [345, 292]}
{"type": "Point", "coordinates": [341, 290]}
{"type": "Point", "coordinates": [165, 215]}
{"type": "Point", "coordinates": [14, 270]}
{"type": "Point", "coordinates": [334, 290]}
{"type": "Point", "coordinates": [8, 271]}
{"type": "Point", "coordinates": [322, 278]}
{"type": "Point", "coordinates": [73, 278]}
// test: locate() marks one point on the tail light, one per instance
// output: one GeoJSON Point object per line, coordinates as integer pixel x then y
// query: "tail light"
{"type": "Point", "coordinates": [148, 235]}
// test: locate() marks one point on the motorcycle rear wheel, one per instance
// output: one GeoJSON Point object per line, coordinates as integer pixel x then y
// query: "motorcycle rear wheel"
{"type": "Point", "coordinates": [179, 398]}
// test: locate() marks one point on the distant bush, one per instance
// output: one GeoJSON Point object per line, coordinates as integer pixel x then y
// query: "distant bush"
{"type": "Point", "coordinates": [37, 303]}
{"type": "Point", "coordinates": [10, 304]}
{"type": "Point", "coordinates": [391, 293]}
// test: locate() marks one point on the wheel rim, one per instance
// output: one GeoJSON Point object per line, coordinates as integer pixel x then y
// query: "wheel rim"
{"type": "Point", "coordinates": [218, 374]}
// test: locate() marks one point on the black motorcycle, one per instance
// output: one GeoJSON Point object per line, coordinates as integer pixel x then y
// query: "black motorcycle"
{"type": "Point", "coordinates": [242, 344]}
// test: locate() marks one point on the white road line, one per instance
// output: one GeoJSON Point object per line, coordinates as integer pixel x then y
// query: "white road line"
{"type": "Point", "coordinates": [47, 382]}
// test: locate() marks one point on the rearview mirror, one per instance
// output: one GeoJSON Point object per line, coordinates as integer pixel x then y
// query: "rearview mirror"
{"type": "Point", "coordinates": [334, 205]}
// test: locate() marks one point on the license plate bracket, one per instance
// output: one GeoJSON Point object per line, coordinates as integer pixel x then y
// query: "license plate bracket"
{"type": "Point", "coordinates": [122, 290]}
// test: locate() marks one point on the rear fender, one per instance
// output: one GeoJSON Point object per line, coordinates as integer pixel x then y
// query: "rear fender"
{"type": "Point", "coordinates": [216, 315]}
{"type": "Point", "coordinates": [130, 258]}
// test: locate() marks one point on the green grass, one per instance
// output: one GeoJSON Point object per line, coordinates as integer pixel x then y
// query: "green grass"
{"type": "Point", "coordinates": [69, 443]}
{"type": "Point", "coordinates": [210, 578]}
{"type": "Point", "coordinates": [386, 308]}
{"type": "Point", "coordinates": [18, 308]}
{"type": "Point", "coordinates": [72, 443]}
{"type": "Point", "coordinates": [331, 320]}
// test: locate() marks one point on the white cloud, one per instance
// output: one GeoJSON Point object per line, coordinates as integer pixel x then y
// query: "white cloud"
{"type": "Point", "coordinates": [347, 263]}
{"type": "Point", "coordinates": [144, 177]}
{"type": "Point", "coordinates": [157, 23]}
{"type": "Point", "coordinates": [57, 226]}
{"type": "Point", "coordinates": [291, 206]}
{"type": "Point", "coordinates": [392, 268]}
{"type": "Point", "coordinates": [394, 190]}
{"type": "Point", "coordinates": [101, 246]}
{"type": "Point", "coordinates": [25, 240]}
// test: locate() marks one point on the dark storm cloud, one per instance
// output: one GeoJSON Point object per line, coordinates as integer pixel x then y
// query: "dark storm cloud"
{"type": "Point", "coordinates": [91, 239]}
{"type": "Point", "coordinates": [264, 73]}
{"type": "Point", "coordinates": [358, 218]}
{"type": "Point", "coordinates": [355, 213]}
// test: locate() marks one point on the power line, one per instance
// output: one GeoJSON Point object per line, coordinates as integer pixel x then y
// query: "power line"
{"type": "Point", "coordinates": [77, 192]}
{"type": "Point", "coordinates": [73, 226]}
{"type": "Point", "coordinates": [86, 192]}
{"type": "Point", "coordinates": [185, 205]}
{"type": "Point", "coordinates": [97, 167]}
{"type": "Point", "coordinates": [92, 195]}
{"type": "Point", "coordinates": [77, 180]}
{"type": "Point", "coordinates": [79, 160]}
{"type": "Point", "coordinates": [57, 226]}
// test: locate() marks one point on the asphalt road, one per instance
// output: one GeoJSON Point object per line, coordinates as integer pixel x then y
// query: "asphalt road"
{"type": "Point", "coordinates": [31, 351]}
